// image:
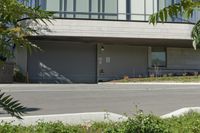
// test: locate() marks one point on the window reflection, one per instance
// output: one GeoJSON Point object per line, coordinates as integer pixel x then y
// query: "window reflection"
{"type": "Point", "coordinates": [158, 57]}
{"type": "Point", "coordinates": [107, 9]}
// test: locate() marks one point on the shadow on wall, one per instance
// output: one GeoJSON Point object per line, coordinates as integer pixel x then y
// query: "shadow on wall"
{"type": "Point", "coordinates": [41, 28]}
{"type": "Point", "coordinates": [48, 75]}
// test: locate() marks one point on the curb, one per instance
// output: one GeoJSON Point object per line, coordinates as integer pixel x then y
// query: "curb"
{"type": "Point", "coordinates": [181, 112]}
{"type": "Point", "coordinates": [85, 118]}
{"type": "Point", "coordinates": [76, 118]}
{"type": "Point", "coordinates": [151, 83]}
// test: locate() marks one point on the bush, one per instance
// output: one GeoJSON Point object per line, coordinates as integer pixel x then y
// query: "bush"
{"type": "Point", "coordinates": [146, 124]}
{"type": "Point", "coordinates": [189, 123]}
{"type": "Point", "coordinates": [19, 77]}
{"type": "Point", "coordinates": [140, 123]}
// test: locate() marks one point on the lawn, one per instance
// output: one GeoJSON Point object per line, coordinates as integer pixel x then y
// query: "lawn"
{"type": "Point", "coordinates": [180, 79]}
{"type": "Point", "coordinates": [139, 123]}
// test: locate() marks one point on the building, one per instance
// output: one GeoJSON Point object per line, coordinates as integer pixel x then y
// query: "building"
{"type": "Point", "coordinates": [100, 40]}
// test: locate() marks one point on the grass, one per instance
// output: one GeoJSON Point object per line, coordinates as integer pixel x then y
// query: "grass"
{"type": "Point", "coordinates": [181, 79]}
{"type": "Point", "coordinates": [140, 123]}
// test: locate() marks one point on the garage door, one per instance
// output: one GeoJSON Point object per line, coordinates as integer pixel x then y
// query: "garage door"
{"type": "Point", "coordinates": [63, 62]}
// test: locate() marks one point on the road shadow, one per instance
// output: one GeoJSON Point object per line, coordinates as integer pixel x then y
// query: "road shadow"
{"type": "Point", "coordinates": [31, 109]}
{"type": "Point", "coordinates": [26, 110]}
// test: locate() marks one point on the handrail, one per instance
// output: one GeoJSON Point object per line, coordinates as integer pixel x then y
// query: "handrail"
{"type": "Point", "coordinates": [98, 13]}
{"type": "Point", "coordinates": [108, 14]}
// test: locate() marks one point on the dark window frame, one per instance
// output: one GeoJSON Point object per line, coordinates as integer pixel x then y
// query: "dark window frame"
{"type": "Point", "coordinates": [128, 9]}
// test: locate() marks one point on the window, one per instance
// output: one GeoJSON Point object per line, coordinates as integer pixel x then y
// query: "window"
{"type": "Point", "coordinates": [158, 57]}
{"type": "Point", "coordinates": [128, 9]}
{"type": "Point", "coordinates": [97, 9]}
{"type": "Point", "coordinates": [110, 7]}
{"type": "Point", "coordinates": [82, 6]}
{"type": "Point", "coordinates": [137, 9]}
{"type": "Point", "coordinates": [52, 5]}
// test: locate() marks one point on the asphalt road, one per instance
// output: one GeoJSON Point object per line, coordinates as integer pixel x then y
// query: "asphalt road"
{"type": "Point", "coordinates": [58, 99]}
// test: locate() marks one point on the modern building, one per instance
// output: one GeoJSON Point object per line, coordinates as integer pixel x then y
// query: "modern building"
{"type": "Point", "coordinates": [100, 40]}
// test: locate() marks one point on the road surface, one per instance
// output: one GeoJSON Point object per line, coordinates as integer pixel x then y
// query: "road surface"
{"type": "Point", "coordinates": [117, 98]}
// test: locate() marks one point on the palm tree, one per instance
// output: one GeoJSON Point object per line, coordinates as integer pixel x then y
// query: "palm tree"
{"type": "Point", "coordinates": [14, 34]}
{"type": "Point", "coordinates": [186, 8]}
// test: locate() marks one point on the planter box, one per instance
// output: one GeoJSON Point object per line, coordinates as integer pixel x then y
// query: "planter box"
{"type": "Point", "coordinates": [6, 73]}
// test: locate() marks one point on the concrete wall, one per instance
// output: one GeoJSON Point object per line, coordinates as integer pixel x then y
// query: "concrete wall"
{"type": "Point", "coordinates": [21, 59]}
{"type": "Point", "coordinates": [6, 73]}
{"type": "Point", "coordinates": [122, 9]}
{"type": "Point", "coordinates": [179, 62]}
{"type": "Point", "coordinates": [122, 29]}
{"type": "Point", "coordinates": [117, 61]}
{"type": "Point", "coordinates": [63, 62]}
{"type": "Point", "coordinates": [183, 58]}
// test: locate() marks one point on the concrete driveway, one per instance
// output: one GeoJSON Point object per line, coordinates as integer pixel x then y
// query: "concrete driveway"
{"type": "Point", "coordinates": [59, 99]}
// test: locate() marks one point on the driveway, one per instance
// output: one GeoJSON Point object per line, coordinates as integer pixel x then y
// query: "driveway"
{"type": "Point", "coordinates": [58, 99]}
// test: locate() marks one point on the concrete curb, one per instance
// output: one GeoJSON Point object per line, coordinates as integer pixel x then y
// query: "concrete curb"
{"type": "Point", "coordinates": [152, 83]}
{"type": "Point", "coordinates": [76, 118]}
{"type": "Point", "coordinates": [181, 112]}
{"type": "Point", "coordinates": [104, 83]}
{"type": "Point", "coordinates": [85, 118]}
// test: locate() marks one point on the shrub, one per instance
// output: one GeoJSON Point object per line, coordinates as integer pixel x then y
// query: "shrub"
{"type": "Point", "coordinates": [146, 124]}
{"type": "Point", "coordinates": [170, 74]}
{"type": "Point", "coordinates": [189, 123]}
{"type": "Point", "coordinates": [126, 77]}
{"type": "Point", "coordinates": [196, 73]}
{"type": "Point", "coordinates": [19, 77]}
{"type": "Point", "coordinates": [140, 123]}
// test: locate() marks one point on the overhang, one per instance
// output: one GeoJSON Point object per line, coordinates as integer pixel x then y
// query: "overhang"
{"type": "Point", "coordinates": [117, 41]}
{"type": "Point", "coordinates": [117, 29]}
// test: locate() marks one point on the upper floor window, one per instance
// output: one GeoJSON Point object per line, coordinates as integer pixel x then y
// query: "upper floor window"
{"type": "Point", "coordinates": [96, 9]}
{"type": "Point", "coordinates": [107, 9]}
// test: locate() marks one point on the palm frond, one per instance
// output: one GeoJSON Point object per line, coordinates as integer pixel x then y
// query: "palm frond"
{"type": "Point", "coordinates": [185, 7]}
{"type": "Point", "coordinates": [196, 34]}
{"type": "Point", "coordinates": [11, 106]}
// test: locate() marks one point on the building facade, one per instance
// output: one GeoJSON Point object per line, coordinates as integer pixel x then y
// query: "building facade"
{"type": "Point", "coordinates": [101, 40]}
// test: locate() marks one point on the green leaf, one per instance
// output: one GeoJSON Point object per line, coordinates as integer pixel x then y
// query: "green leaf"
{"type": "Point", "coordinates": [185, 7]}
{"type": "Point", "coordinates": [14, 108]}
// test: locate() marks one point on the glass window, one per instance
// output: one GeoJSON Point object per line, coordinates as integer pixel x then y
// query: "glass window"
{"type": "Point", "coordinates": [137, 9]}
{"type": "Point", "coordinates": [158, 57]}
{"type": "Point", "coordinates": [82, 6]}
{"type": "Point", "coordinates": [110, 7]}
{"type": "Point", "coordinates": [53, 5]}
{"type": "Point", "coordinates": [69, 8]}
{"type": "Point", "coordinates": [94, 8]}
{"type": "Point", "coordinates": [149, 6]}
{"type": "Point", "coordinates": [161, 4]}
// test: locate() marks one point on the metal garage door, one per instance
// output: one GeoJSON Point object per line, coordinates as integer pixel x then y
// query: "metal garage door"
{"type": "Point", "coordinates": [63, 62]}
